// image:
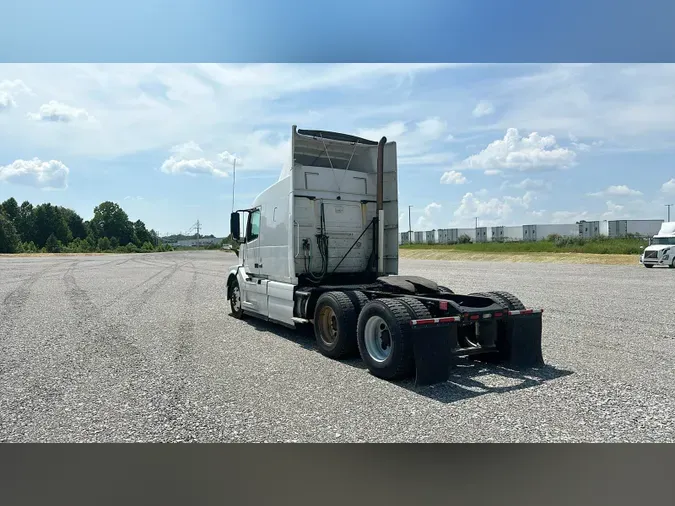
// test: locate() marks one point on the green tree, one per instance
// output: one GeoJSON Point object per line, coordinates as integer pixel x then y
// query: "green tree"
{"type": "Point", "coordinates": [104, 244]}
{"type": "Point", "coordinates": [110, 220]}
{"type": "Point", "coordinates": [11, 209]}
{"type": "Point", "coordinates": [49, 220]}
{"type": "Point", "coordinates": [29, 247]}
{"type": "Point", "coordinates": [52, 245]}
{"type": "Point", "coordinates": [141, 232]}
{"type": "Point", "coordinates": [9, 239]}
{"type": "Point", "coordinates": [75, 223]}
{"type": "Point", "coordinates": [25, 222]}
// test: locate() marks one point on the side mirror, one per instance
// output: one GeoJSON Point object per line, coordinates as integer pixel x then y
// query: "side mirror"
{"type": "Point", "coordinates": [642, 247]}
{"type": "Point", "coordinates": [234, 226]}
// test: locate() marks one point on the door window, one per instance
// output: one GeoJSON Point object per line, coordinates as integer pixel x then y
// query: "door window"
{"type": "Point", "coordinates": [253, 225]}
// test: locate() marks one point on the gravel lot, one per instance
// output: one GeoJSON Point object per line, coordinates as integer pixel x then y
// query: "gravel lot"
{"type": "Point", "coordinates": [141, 348]}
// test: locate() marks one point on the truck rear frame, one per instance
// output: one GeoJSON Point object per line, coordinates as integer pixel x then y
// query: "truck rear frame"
{"type": "Point", "coordinates": [423, 328]}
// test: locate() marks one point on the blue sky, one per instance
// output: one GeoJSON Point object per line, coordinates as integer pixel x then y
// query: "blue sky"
{"type": "Point", "coordinates": [510, 144]}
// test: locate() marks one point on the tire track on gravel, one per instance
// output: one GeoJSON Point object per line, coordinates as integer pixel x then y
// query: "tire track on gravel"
{"type": "Point", "coordinates": [109, 337]}
{"type": "Point", "coordinates": [77, 351]}
{"type": "Point", "coordinates": [139, 300]}
{"type": "Point", "coordinates": [13, 305]}
{"type": "Point", "coordinates": [97, 265]}
{"type": "Point", "coordinates": [176, 411]}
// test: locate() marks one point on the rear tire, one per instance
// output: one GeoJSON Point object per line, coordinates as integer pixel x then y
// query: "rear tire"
{"type": "Point", "coordinates": [512, 302]}
{"type": "Point", "coordinates": [335, 319]}
{"type": "Point", "coordinates": [648, 266]}
{"type": "Point", "coordinates": [359, 299]}
{"type": "Point", "coordinates": [417, 308]}
{"type": "Point", "coordinates": [384, 338]}
{"type": "Point", "coordinates": [235, 300]}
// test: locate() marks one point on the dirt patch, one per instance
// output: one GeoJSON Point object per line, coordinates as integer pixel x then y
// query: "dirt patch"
{"type": "Point", "coordinates": [566, 258]}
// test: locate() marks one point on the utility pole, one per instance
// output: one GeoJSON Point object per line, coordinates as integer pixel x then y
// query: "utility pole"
{"type": "Point", "coordinates": [234, 178]}
{"type": "Point", "coordinates": [410, 240]}
{"type": "Point", "coordinates": [669, 206]}
{"type": "Point", "coordinates": [198, 225]}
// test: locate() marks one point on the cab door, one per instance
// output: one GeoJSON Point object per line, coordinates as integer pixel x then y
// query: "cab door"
{"type": "Point", "coordinates": [254, 297]}
{"type": "Point", "coordinates": [252, 260]}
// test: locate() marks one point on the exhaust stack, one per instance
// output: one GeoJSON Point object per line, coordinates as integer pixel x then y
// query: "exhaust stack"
{"type": "Point", "coordinates": [380, 206]}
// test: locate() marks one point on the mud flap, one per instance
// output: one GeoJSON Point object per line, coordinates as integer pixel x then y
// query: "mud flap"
{"type": "Point", "coordinates": [433, 346]}
{"type": "Point", "coordinates": [519, 341]}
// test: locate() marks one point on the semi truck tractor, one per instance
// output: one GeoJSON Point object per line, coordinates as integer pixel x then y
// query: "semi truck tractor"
{"type": "Point", "coordinates": [319, 248]}
{"type": "Point", "coordinates": [661, 249]}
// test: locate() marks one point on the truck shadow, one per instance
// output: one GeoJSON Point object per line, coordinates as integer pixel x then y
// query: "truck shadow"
{"type": "Point", "coordinates": [469, 378]}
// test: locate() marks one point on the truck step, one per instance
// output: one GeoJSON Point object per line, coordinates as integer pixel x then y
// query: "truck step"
{"type": "Point", "coordinates": [299, 320]}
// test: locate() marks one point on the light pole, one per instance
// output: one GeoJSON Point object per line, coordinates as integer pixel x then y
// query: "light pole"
{"type": "Point", "coordinates": [234, 178]}
{"type": "Point", "coordinates": [669, 206]}
{"type": "Point", "coordinates": [410, 240]}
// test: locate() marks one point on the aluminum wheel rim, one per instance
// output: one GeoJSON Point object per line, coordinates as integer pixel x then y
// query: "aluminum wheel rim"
{"type": "Point", "coordinates": [328, 325]}
{"type": "Point", "coordinates": [236, 299]}
{"type": "Point", "coordinates": [377, 338]}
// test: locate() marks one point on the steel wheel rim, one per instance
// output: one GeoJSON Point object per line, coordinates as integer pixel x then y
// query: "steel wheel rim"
{"type": "Point", "coordinates": [236, 299]}
{"type": "Point", "coordinates": [377, 338]}
{"type": "Point", "coordinates": [328, 325]}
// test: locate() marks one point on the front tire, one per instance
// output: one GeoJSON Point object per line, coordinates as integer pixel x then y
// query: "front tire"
{"type": "Point", "coordinates": [235, 300]}
{"type": "Point", "coordinates": [648, 266]}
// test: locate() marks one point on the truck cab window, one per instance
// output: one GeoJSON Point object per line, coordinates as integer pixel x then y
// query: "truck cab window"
{"type": "Point", "coordinates": [253, 225]}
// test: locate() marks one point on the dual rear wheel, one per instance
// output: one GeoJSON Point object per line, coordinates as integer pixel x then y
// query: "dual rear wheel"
{"type": "Point", "coordinates": [347, 323]}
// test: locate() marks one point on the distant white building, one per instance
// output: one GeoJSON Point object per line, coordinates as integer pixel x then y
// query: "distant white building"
{"type": "Point", "coordinates": [191, 243]}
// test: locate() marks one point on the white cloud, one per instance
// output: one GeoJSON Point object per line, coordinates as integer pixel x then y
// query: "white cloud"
{"type": "Point", "coordinates": [669, 186]}
{"type": "Point", "coordinates": [629, 106]}
{"type": "Point", "coordinates": [59, 112]}
{"type": "Point", "coordinates": [186, 160]}
{"type": "Point", "coordinates": [432, 128]}
{"type": "Point", "coordinates": [471, 206]}
{"type": "Point", "coordinates": [129, 197]}
{"type": "Point", "coordinates": [9, 90]}
{"type": "Point", "coordinates": [230, 159]}
{"type": "Point", "coordinates": [191, 167]}
{"type": "Point", "coordinates": [492, 172]}
{"type": "Point", "coordinates": [6, 100]}
{"type": "Point", "coordinates": [613, 210]}
{"type": "Point", "coordinates": [569, 216]}
{"type": "Point", "coordinates": [453, 177]}
{"type": "Point", "coordinates": [529, 184]}
{"type": "Point", "coordinates": [428, 219]}
{"type": "Point", "coordinates": [391, 131]}
{"type": "Point", "coordinates": [483, 108]}
{"type": "Point", "coordinates": [144, 107]}
{"type": "Point", "coordinates": [415, 142]}
{"type": "Point", "coordinates": [493, 210]}
{"type": "Point", "coordinates": [529, 153]}
{"type": "Point", "coordinates": [188, 149]}
{"type": "Point", "coordinates": [51, 174]}
{"type": "Point", "coordinates": [616, 191]}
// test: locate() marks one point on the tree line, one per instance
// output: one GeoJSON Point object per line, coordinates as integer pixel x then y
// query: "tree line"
{"type": "Point", "coordinates": [52, 229]}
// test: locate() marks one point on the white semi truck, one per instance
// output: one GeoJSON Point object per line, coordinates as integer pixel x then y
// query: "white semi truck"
{"type": "Point", "coordinates": [320, 247]}
{"type": "Point", "coordinates": [661, 249]}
